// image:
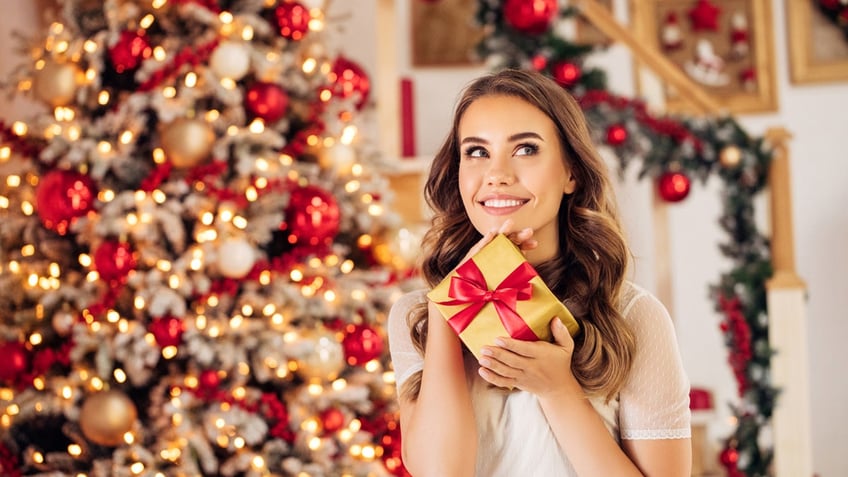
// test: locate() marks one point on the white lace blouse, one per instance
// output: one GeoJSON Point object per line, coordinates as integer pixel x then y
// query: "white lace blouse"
{"type": "Point", "coordinates": [513, 436]}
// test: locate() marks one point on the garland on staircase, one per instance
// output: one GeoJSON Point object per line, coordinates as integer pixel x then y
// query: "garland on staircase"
{"type": "Point", "coordinates": [672, 151]}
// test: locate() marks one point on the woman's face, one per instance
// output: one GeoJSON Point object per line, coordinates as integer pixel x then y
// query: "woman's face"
{"type": "Point", "coordinates": [512, 166]}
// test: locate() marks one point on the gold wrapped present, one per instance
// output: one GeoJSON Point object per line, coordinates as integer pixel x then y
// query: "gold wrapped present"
{"type": "Point", "coordinates": [498, 293]}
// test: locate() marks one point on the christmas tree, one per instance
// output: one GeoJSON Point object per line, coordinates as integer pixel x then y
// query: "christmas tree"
{"type": "Point", "coordinates": [193, 266]}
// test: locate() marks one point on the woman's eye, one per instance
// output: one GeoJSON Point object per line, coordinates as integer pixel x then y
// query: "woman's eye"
{"type": "Point", "coordinates": [475, 152]}
{"type": "Point", "coordinates": [526, 150]}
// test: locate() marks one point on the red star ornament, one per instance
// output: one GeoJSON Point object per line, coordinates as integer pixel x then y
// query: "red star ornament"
{"type": "Point", "coordinates": [704, 16]}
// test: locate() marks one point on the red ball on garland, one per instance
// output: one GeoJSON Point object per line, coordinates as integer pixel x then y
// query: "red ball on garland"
{"type": "Point", "coordinates": [361, 344]}
{"type": "Point", "coordinates": [131, 49]}
{"type": "Point", "coordinates": [530, 16]}
{"type": "Point", "coordinates": [348, 79]}
{"type": "Point", "coordinates": [616, 135]}
{"type": "Point", "coordinates": [267, 101]}
{"type": "Point", "coordinates": [292, 20]}
{"type": "Point", "coordinates": [14, 361]}
{"type": "Point", "coordinates": [168, 331]}
{"type": "Point", "coordinates": [208, 381]}
{"type": "Point", "coordinates": [332, 419]}
{"type": "Point", "coordinates": [565, 73]}
{"type": "Point", "coordinates": [673, 186]}
{"type": "Point", "coordinates": [312, 216]}
{"type": "Point", "coordinates": [63, 196]}
{"type": "Point", "coordinates": [729, 457]}
{"type": "Point", "coordinates": [113, 260]}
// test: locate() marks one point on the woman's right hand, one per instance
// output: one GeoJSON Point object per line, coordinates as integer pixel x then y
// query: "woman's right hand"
{"type": "Point", "coordinates": [522, 238]}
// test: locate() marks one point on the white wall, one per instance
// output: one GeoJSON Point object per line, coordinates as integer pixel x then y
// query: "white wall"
{"type": "Point", "coordinates": [816, 115]}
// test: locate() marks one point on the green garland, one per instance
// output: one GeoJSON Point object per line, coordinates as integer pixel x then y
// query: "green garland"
{"type": "Point", "coordinates": [685, 148]}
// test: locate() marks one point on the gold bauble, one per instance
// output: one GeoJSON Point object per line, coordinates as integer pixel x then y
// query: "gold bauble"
{"type": "Point", "coordinates": [106, 416]}
{"type": "Point", "coordinates": [730, 157]}
{"type": "Point", "coordinates": [187, 142]}
{"type": "Point", "coordinates": [324, 359]}
{"type": "Point", "coordinates": [56, 84]}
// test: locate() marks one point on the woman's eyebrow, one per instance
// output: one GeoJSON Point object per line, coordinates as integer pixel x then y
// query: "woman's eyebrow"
{"type": "Point", "coordinates": [513, 138]}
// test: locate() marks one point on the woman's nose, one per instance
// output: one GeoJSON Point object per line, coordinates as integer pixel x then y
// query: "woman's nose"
{"type": "Point", "coordinates": [500, 173]}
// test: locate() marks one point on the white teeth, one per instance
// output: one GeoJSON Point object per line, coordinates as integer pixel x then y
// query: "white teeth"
{"type": "Point", "coordinates": [502, 203]}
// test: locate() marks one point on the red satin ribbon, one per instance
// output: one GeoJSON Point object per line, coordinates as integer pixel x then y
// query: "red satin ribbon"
{"type": "Point", "coordinates": [469, 287]}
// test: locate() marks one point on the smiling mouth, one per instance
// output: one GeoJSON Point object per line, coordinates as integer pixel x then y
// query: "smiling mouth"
{"type": "Point", "coordinates": [503, 203]}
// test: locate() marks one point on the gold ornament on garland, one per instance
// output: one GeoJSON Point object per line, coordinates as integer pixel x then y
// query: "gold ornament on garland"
{"type": "Point", "coordinates": [57, 83]}
{"type": "Point", "coordinates": [730, 157]}
{"type": "Point", "coordinates": [106, 416]}
{"type": "Point", "coordinates": [187, 142]}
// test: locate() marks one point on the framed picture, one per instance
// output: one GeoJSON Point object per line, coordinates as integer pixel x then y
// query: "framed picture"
{"type": "Point", "coordinates": [444, 33]}
{"type": "Point", "coordinates": [818, 42]}
{"type": "Point", "coordinates": [724, 46]}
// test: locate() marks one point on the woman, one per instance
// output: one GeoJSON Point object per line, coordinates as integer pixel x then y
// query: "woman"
{"type": "Point", "coordinates": [613, 401]}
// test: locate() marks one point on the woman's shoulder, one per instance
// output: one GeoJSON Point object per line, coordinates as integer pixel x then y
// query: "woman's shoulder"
{"type": "Point", "coordinates": [402, 306]}
{"type": "Point", "coordinates": [636, 302]}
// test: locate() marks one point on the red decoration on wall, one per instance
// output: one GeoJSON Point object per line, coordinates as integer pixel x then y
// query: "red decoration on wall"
{"type": "Point", "coordinates": [407, 118]}
{"type": "Point", "coordinates": [673, 186]}
{"type": "Point", "coordinates": [704, 16]}
{"type": "Point", "coordinates": [616, 135]}
{"type": "Point", "coordinates": [530, 16]}
{"type": "Point", "coordinates": [566, 73]}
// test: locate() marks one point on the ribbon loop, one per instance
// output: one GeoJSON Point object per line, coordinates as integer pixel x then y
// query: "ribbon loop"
{"type": "Point", "coordinates": [469, 287]}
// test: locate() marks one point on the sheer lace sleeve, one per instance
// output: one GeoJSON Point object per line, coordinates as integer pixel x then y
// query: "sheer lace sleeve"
{"type": "Point", "coordinates": [655, 398]}
{"type": "Point", "coordinates": [406, 360]}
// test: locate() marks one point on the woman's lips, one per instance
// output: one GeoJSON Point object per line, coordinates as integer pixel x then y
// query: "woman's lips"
{"type": "Point", "coordinates": [502, 206]}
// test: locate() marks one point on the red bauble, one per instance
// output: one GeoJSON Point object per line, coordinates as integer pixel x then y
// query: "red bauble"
{"type": "Point", "coordinates": [208, 381]}
{"type": "Point", "coordinates": [729, 457]}
{"type": "Point", "coordinates": [312, 216]}
{"type": "Point", "coordinates": [361, 344]}
{"type": "Point", "coordinates": [293, 20]}
{"type": "Point", "coordinates": [267, 101]}
{"type": "Point", "coordinates": [530, 16]}
{"type": "Point", "coordinates": [392, 450]}
{"type": "Point", "coordinates": [673, 186]}
{"type": "Point", "coordinates": [348, 79]}
{"type": "Point", "coordinates": [616, 135]}
{"type": "Point", "coordinates": [566, 73]}
{"type": "Point", "coordinates": [14, 361]}
{"type": "Point", "coordinates": [332, 419]}
{"type": "Point", "coordinates": [131, 49]}
{"type": "Point", "coordinates": [168, 331]}
{"type": "Point", "coordinates": [113, 260]}
{"type": "Point", "coordinates": [62, 196]}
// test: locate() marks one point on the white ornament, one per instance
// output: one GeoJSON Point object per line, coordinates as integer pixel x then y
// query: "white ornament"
{"type": "Point", "coordinates": [63, 322]}
{"type": "Point", "coordinates": [708, 67]}
{"type": "Point", "coordinates": [230, 60]}
{"type": "Point", "coordinates": [340, 157]}
{"type": "Point", "coordinates": [235, 258]}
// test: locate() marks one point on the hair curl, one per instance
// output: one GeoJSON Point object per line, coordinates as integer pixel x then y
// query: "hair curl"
{"type": "Point", "coordinates": [589, 271]}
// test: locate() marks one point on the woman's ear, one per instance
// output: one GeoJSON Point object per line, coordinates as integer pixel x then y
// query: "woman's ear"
{"type": "Point", "coordinates": [569, 185]}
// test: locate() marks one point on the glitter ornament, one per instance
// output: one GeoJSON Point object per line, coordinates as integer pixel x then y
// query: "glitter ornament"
{"type": "Point", "coordinates": [267, 101]}
{"type": "Point", "coordinates": [531, 17]}
{"type": "Point", "coordinates": [57, 83]}
{"type": "Point", "coordinates": [325, 360]}
{"type": "Point", "coordinates": [312, 216]}
{"type": "Point", "coordinates": [106, 416]}
{"type": "Point", "coordinates": [14, 361]}
{"type": "Point", "coordinates": [293, 20]}
{"type": "Point", "coordinates": [187, 142]}
{"type": "Point", "coordinates": [113, 260]}
{"type": "Point", "coordinates": [62, 197]}
{"type": "Point", "coordinates": [361, 344]}
{"type": "Point", "coordinates": [131, 49]}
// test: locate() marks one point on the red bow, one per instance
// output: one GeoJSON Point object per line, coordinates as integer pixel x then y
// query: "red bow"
{"type": "Point", "coordinates": [469, 287]}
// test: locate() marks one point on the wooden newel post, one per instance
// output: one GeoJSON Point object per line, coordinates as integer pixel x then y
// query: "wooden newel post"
{"type": "Point", "coordinates": [787, 326]}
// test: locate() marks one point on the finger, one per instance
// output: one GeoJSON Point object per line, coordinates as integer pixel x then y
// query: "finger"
{"type": "Point", "coordinates": [496, 379]}
{"type": "Point", "coordinates": [560, 332]}
{"type": "Point", "coordinates": [506, 226]}
{"type": "Point", "coordinates": [487, 237]}
{"type": "Point", "coordinates": [519, 347]}
{"type": "Point", "coordinates": [500, 359]}
{"type": "Point", "coordinates": [528, 244]}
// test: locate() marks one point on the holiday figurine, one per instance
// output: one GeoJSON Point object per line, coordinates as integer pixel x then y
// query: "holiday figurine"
{"type": "Point", "coordinates": [671, 37]}
{"type": "Point", "coordinates": [740, 43]}
{"type": "Point", "coordinates": [707, 67]}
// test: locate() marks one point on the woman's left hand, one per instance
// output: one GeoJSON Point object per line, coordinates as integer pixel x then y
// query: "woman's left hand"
{"type": "Point", "coordinates": [538, 367]}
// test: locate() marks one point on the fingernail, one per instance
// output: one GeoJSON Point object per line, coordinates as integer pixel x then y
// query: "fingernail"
{"type": "Point", "coordinates": [500, 342]}
{"type": "Point", "coordinates": [485, 362]}
{"type": "Point", "coordinates": [486, 351]}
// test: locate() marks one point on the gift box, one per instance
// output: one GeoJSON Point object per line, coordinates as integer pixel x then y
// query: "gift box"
{"type": "Point", "coordinates": [498, 293]}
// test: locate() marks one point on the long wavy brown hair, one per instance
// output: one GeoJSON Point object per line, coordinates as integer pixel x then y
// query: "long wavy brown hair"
{"type": "Point", "coordinates": [590, 268]}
